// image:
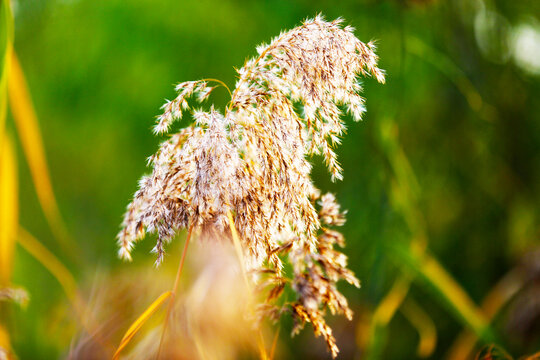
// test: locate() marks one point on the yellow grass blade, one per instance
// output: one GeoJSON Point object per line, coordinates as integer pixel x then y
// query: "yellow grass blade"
{"type": "Point", "coordinates": [383, 314]}
{"type": "Point", "coordinates": [498, 296]}
{"type": "Point", "coordinates": [261, 346]}
{"type": "Point", "coordinates": [28, 130]}
{"type": "Point", "coordinates": [50, 262]}
{"type": "Point", "coordinates": [390, 304]}
{"type": "Point", "coordinates": [444, 285]}
{"type": "Point", "coordinates": [8, 210]}
{"type": "Point", "coordinates": [459, 299]}
{"type": "Point", "coordinates": [135, 327]}
{"type": "Point", "coordinates": [8, 170]}
{"type": "Point", "coordinates": [423, 324]}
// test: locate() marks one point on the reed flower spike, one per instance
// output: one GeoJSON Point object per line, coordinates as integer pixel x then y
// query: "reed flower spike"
{"type": "Point", "coordinates": [251, 162]}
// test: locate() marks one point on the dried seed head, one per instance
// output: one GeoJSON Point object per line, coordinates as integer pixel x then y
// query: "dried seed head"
{"type": "Point", "coordinates": [252, 161]}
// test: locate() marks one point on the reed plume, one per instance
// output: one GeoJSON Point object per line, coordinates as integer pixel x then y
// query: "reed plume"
{"type": "Point", "coordinates": [252, 163]}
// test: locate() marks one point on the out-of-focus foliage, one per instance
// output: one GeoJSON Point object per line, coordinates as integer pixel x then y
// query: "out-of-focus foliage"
{"type": "Point", "coordinates": [441, 179]}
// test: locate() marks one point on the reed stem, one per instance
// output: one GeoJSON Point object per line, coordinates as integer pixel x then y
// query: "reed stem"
{"type": "Point", "coordinates": [174, 290]}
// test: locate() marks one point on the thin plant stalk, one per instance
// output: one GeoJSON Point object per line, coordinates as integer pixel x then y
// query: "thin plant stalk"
{"type": "Point", "coordinates": [240, 254]}
{"type": "Point", "coordinates": [220, 83]}
{"type": "Point", "coordinates": [28, 130]}
{"type": "Point", "coordinates": [174, 290]}
{"type": "Point", "coordinates": [136, 326]}
{"type": "Point", "coordinates": [274, 344]}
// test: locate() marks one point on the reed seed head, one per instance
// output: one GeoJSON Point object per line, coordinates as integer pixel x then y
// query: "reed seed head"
{"type": "Point", "coordinates": [252, 162]}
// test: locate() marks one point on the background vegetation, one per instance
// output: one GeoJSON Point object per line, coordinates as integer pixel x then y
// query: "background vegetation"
{"type": "Point", "coordinates": [442, 178]}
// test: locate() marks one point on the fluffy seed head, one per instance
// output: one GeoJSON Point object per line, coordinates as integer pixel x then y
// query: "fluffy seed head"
{"type": "Point", "coordinates": [252, 162]}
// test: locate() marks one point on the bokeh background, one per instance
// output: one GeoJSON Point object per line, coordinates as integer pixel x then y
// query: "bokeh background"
{"type": "Point", "coordinates": [441, 180]}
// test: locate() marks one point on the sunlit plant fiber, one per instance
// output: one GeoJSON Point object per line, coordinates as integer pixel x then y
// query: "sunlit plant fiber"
{"type": "Point", "coordinates": [251, 162]}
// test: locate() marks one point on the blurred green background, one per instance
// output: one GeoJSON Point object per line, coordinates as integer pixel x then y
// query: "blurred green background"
{"type": "Point", "coordinates": [448, 152]}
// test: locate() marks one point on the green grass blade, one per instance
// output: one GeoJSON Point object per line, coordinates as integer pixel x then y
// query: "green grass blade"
{"type": "Point", "coordinates": [439, 281]}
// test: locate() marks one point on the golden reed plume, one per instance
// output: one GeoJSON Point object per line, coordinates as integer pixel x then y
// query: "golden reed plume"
{"type": "Point", "coordinates": [251, 162]}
